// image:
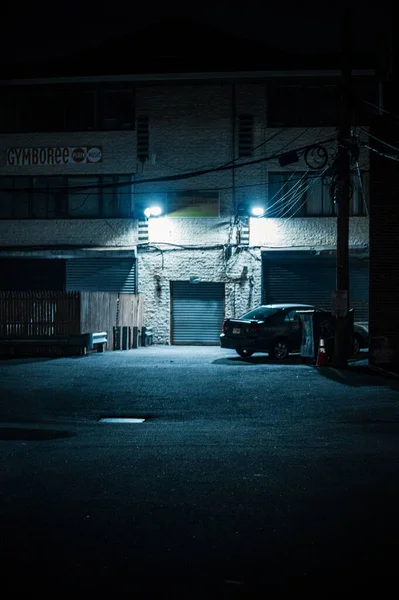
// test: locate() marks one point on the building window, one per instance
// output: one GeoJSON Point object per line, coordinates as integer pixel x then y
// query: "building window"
{"type": "Point", "coordinates": [188, 204]}
{"type": "Point", "coordinates": [57, 109]}
{"type": "Point", "coordinates": [306, 105]}
{"type": "Point", "coordinates": [245, 135]}
{"type": "Point", "coordinates": [192, 204]}
{"type": "Point", "coordinates": [83, 201]}
{"type": "Point", "coordinates": [76, 197]}
{"type": "Point", "coordinates": [116, 196]}
{"type": "Point", "coordinates": [117, 110]}
{"type": "Point", "coordinates": [80, 110]}
{"type": "Point", "coordinates": [303, 194]}
{"type": "Point", "coordinates": [13, 199]}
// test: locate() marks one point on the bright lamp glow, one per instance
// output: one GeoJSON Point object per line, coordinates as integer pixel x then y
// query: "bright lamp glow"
{"type": "Point", "coordinates": [257, 211]}
{"type": "Point", "coordinates": [153, 211]}
{"type": "Point", "coordinates": [156, 211]}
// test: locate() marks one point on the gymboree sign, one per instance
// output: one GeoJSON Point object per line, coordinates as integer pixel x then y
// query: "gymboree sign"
{"type": "Point", "coordinates": [18, 157]}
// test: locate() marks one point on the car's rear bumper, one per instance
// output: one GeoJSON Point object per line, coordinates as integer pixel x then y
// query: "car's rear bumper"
{"type": "Point", "coordinates": [240, 343]}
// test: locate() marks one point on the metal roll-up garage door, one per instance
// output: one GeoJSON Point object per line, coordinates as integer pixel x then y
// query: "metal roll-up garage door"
{"type": "Point", "coordinates": [101, 275]}
{"type": "Point", "coordinates": [197, 312]}
{"type": "Point", "coordinates": [311, 280]}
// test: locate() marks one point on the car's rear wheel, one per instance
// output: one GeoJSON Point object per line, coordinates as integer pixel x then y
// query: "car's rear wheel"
{"type": "Point", "coordinates": [244, 353]}
{"type": "Point", "coordinates": [280, 349]}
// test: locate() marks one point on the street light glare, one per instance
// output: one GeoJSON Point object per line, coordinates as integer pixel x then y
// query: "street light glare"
{"type": "Point", "coordinates": [257, 211]}
{"type": "Point", "coordinates": [156, 211]}
{"type": "Point", "coordinates": [153, 211]}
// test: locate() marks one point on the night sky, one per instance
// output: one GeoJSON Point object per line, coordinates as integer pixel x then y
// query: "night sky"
{"type": "Point", "coordinates": [50, 28]}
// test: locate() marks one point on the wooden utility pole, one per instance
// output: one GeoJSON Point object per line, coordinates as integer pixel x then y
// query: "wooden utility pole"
{"type": "Point", "coordinates": [342, 197]}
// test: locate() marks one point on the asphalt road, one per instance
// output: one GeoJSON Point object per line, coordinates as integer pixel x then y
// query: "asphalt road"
{"type": "Point", "coordinates": [244, 473]}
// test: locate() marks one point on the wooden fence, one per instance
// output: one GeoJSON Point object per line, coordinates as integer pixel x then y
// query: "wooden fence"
{"type": "Point", "coordinates": [131, 310]}
{"type": "Point", "coordinates": [39, 314]}
{"type": "Point", "coordinates": [35, 314]}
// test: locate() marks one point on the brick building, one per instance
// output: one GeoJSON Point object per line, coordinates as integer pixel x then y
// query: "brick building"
{"type": "Point", "coordinates": [82, 158]}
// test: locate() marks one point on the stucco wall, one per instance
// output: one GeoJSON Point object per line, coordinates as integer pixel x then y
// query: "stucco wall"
{"type": "Point", "coordinates": [241, 274]}
{"type": "Point", "coordinates": [317, 231]}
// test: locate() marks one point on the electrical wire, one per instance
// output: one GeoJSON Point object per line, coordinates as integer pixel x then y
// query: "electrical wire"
{"type": "Point", "coordinates": [276, 134]}
{"type": "Point", "coordinates": [380, 109]}
{"type": "Point", "coordinates": [189, 175]}
{"type": "Point", "coordinates": [282, 200]}
{"type": "Point", "coordinates": [390, 156]}
{"type": "Point", "coordinates": [299, 195]}
{"type": "Point", "coordinates": [286, 204]}
{"type": "Point", "coordinates": [360, 181]}
{"type": "Point", "coordinates": [379, 140]}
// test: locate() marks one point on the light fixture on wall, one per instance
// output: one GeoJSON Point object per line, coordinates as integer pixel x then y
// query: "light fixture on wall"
{"type": "Point", "coordinates": [251, 209]}
{"type": "Point", "coordinates": [257, 210]}
{"type": "Point", "coordinates": [153, 211]}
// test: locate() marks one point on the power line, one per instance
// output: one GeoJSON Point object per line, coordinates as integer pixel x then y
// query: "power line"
{"type": "Point", "coordinates": [390, 156]}
{"type": "Point", "coordinates": [297, 198]}
{"type": "Point", "coordinates": [379, 140]}
{"type": "Point", "coordinates": [233, 160]}
{"type": "Point", "coordinates": [360, 181]}
{"type": "Point", "coordinates": [292, 192]}
{"type": "Point", "coordinates": [379, 108]}
{"type": "Point", "coordinates": [180, 176]}
{"type": "Point", "coordinates": [317, 175]}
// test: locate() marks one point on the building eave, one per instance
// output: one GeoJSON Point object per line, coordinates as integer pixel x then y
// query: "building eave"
{"type": "Point", "coordinates": [176, 77]}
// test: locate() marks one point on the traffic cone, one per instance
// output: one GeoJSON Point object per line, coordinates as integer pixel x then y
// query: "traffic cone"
{"type": "Point", "coordinates": [322, 358]}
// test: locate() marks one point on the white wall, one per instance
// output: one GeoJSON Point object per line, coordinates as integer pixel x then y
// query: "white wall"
{"type": "Point", "coordinates": [310, 231]}
{"type": "Point", "coordinates": [157, 268]}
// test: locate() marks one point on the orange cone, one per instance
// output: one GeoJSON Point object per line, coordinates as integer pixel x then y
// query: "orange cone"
{"type": "Point", "coordinates": [322, 358]}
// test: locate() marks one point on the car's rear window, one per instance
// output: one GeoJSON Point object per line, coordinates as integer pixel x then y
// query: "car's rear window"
{"type": "Point", "coordinates": [259, 314]}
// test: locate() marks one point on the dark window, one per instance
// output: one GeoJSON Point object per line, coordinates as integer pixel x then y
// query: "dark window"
{"type": "Point", "coordinates": [80, 110]}
{"type": "Point", "coordinates": [83, 202]}
{"type": "Point", "coordinates": [296, 105]}
{"type": "Point", "coordinates": [6, 189]}
{"type": "Point", "coordinates": [39, 110]}
{"type": "Point", "coordinates": [61, 197]}
{"type": "Point", "coordinates": [193, 204]}
{"type": "Point", "coordinates": [117, 196]}
{"type": "Point", "coordinates": [245, 135]}
{"type": "Point", "coordinates": [14, 197]}
{"type": "Point", "coordinates": [58, 108]}
{"type": "Point", "coordinates": [117, 110]}
{"type": "Point", "coordinates": [39, 198]}
{"type": "Point", "coordinates": [301, 194]}
{"type": "Point", "coordinates": [287, 194]}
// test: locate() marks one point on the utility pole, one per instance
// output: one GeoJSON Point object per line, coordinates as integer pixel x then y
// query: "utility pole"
{"type": "Point", "coordinates": [342, 196]}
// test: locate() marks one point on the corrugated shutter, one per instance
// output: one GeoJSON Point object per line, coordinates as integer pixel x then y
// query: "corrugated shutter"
{"type": "Point", "coordinates": [101, 275]}
{"type": "Point", "coordinates": [197, 312]}
{"type": "Point", "coordinates": [311, 280]}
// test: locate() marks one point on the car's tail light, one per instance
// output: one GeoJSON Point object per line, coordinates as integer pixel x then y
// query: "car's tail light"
{"type": "Point", "coordinates": [224, 328]}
